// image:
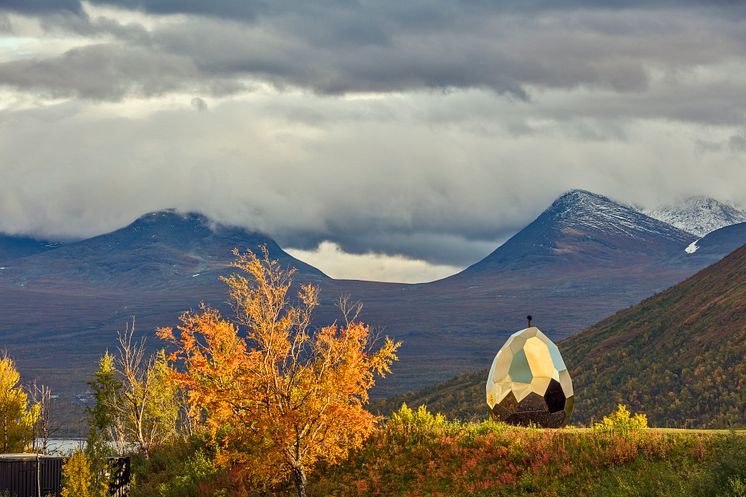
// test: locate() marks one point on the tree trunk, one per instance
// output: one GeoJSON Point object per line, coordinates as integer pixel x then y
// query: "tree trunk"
{"type": "Point", "coordinates": [299, 476]}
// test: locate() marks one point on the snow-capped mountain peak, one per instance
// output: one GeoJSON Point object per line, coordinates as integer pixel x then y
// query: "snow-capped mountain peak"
{"type": "Point", "coordinates": [584, 229]}
{"type": "Point", "coordinates": [583, 209]}
{"type": "Point", "coordinates": [698, 215]}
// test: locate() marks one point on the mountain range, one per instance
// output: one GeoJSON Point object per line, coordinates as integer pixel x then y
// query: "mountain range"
{"type": "Point", "coordinates": [159, 250]}
{"type": "Point", "coordinates": [583, 258]}
{"type": "Point", "coordinates": [581, 229]}
{"type": "Point", "coordinates": [698, 215]}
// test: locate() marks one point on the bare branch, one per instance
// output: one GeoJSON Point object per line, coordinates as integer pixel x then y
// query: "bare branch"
{"type": "Point", "coordinates": [350, 310]}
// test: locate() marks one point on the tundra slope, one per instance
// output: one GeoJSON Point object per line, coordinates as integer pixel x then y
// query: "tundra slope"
{"type": "Point", "coordinates": [679, 356]}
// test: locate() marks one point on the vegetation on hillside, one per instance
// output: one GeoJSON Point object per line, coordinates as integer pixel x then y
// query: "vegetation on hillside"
{"type": "Point", "coordinates": [249, 404]}
{"type": "Point", "coordinates": [260, 405]}
{"type": "Point", "coordinates": [419, 453]}
{"type": "Point", "coordinates": [426, 457]}
{"type": "Point", "coordinates": [679, 356]}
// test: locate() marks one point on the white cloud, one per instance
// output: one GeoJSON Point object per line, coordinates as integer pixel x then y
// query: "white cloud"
{"type": "Point", "coordinates": [419, 174]}
{"type": "Point", "coordinates": [333, 261]}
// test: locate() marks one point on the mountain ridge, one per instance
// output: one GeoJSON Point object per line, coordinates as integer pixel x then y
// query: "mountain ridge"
{"type": "Point", "coordinates": [698, 214]}
{"type": "Point", "coordinates": [16, 246]}
{"type": "Point", "coordinates": [581, 227]}
{"type": "Point", "coordinates": [711, 247]}
{"type": "Point", "coordinates": [153, 251]}
{"type": "Point", "coordinates": [62, 306]}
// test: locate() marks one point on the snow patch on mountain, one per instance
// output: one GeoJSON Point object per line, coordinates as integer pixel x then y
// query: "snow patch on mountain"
{"type": "Point", "coordinates": [698, 215]}
{"type": "Point", "coordinates": [583, 209]}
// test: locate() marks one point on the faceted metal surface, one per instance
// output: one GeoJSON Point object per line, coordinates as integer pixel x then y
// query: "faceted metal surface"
{"type": "Point", "coordinates": [529, 382]}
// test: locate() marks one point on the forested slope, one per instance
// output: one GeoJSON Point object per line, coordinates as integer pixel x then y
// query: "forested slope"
{"type": "Point", "coordinates": [679, 356]}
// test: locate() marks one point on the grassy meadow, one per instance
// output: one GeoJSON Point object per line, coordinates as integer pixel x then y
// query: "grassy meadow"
{"type": "Point", "coordinates": [416, 453]}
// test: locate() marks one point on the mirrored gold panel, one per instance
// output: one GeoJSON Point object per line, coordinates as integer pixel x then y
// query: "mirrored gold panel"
{"type": "Point", "coordinates": [529, 382]}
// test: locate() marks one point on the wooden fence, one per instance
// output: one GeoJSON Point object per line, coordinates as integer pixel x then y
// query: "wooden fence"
{"type": "Point", "coordinates": [119, 478]}
{"type": "Point", "coordinates": [32, 475]}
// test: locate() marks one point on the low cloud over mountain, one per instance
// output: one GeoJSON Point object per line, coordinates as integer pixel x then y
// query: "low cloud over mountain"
{"type": "Point", "coordinates": [429, 130]}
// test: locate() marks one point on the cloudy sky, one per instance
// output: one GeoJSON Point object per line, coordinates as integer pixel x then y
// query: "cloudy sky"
{"type": "Point", "coordinates": [381, 139]}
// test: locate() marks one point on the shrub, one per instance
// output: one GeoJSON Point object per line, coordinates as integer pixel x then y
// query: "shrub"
{"type": "Point", "coordinates": [736, 487]}
{"type": "Point", "coordinates": [178, 468]}
{"type": "Point", "coordinates": [17, 417]}
{"type": "Point", "coordinates": [410, 427]}
{"type": "Point", "coordinates": [725, 475]}
{"type": "Point", "coordinates": [622, 422]}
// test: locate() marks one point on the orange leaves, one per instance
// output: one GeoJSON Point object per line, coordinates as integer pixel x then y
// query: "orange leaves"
{"type": "Point", "coordinates": [205, 342]}
{"type": "Point", "coordinates": [285, 396]}
{"type": "Point", "coordinates": [211, 353]}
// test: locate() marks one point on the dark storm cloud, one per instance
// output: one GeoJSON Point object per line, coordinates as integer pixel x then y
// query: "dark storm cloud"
{"type": "Point", "coordinates": [111, 72]}
{"type": "Point", "coordinates": [414, 12]}
{"type": "Point", "coordinates": [341, 47]}
{"type": "Point", "coordinates": [36, 7]}
{"type": "Point", "coordinates": [435, 247]}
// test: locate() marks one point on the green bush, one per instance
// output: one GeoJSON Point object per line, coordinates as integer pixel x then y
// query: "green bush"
{"type": "Point", "coordinates": [736, 487]}
{"type": "Point", "coordinates": [176, 469]}
{"type": "Point", "coordinates": [725, 475]}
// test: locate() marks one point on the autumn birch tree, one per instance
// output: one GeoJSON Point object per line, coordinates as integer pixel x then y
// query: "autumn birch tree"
{"type": "Point", "coordinates": [136, 407]}
{"type": "Point", "coordinates": [278, 396]}
{"type": "Point", "coordinates": [41, 396]}
{"type": "Point", "coordinates": [17, 417]}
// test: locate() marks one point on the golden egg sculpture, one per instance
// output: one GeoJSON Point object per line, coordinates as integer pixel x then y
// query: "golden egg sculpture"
{"type": "Point", "coordinates": [529, 382]}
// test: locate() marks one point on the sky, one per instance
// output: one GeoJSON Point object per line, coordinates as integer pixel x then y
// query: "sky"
{"type": "Point", "coordinates": [375, 139]}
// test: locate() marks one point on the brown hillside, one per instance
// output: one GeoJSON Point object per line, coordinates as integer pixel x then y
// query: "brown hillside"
{"type": "Point", "coordinates": [679, 356]}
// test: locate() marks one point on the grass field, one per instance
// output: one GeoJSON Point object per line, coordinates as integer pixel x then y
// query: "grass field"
{"type": "Point", "coordinates": [489, 459]}
{"type": "Point", "coordinates": [416, 453]}
{"type": "Point", "coordinates": [675, 431]}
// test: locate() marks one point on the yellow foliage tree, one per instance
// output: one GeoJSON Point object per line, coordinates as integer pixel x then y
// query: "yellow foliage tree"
{"type": "Point", "coordinates": [279, 397]}
{"type": "Point", "coordinates": [17, 418]}
{"type": "Point", "coordinates": [79, 480]}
